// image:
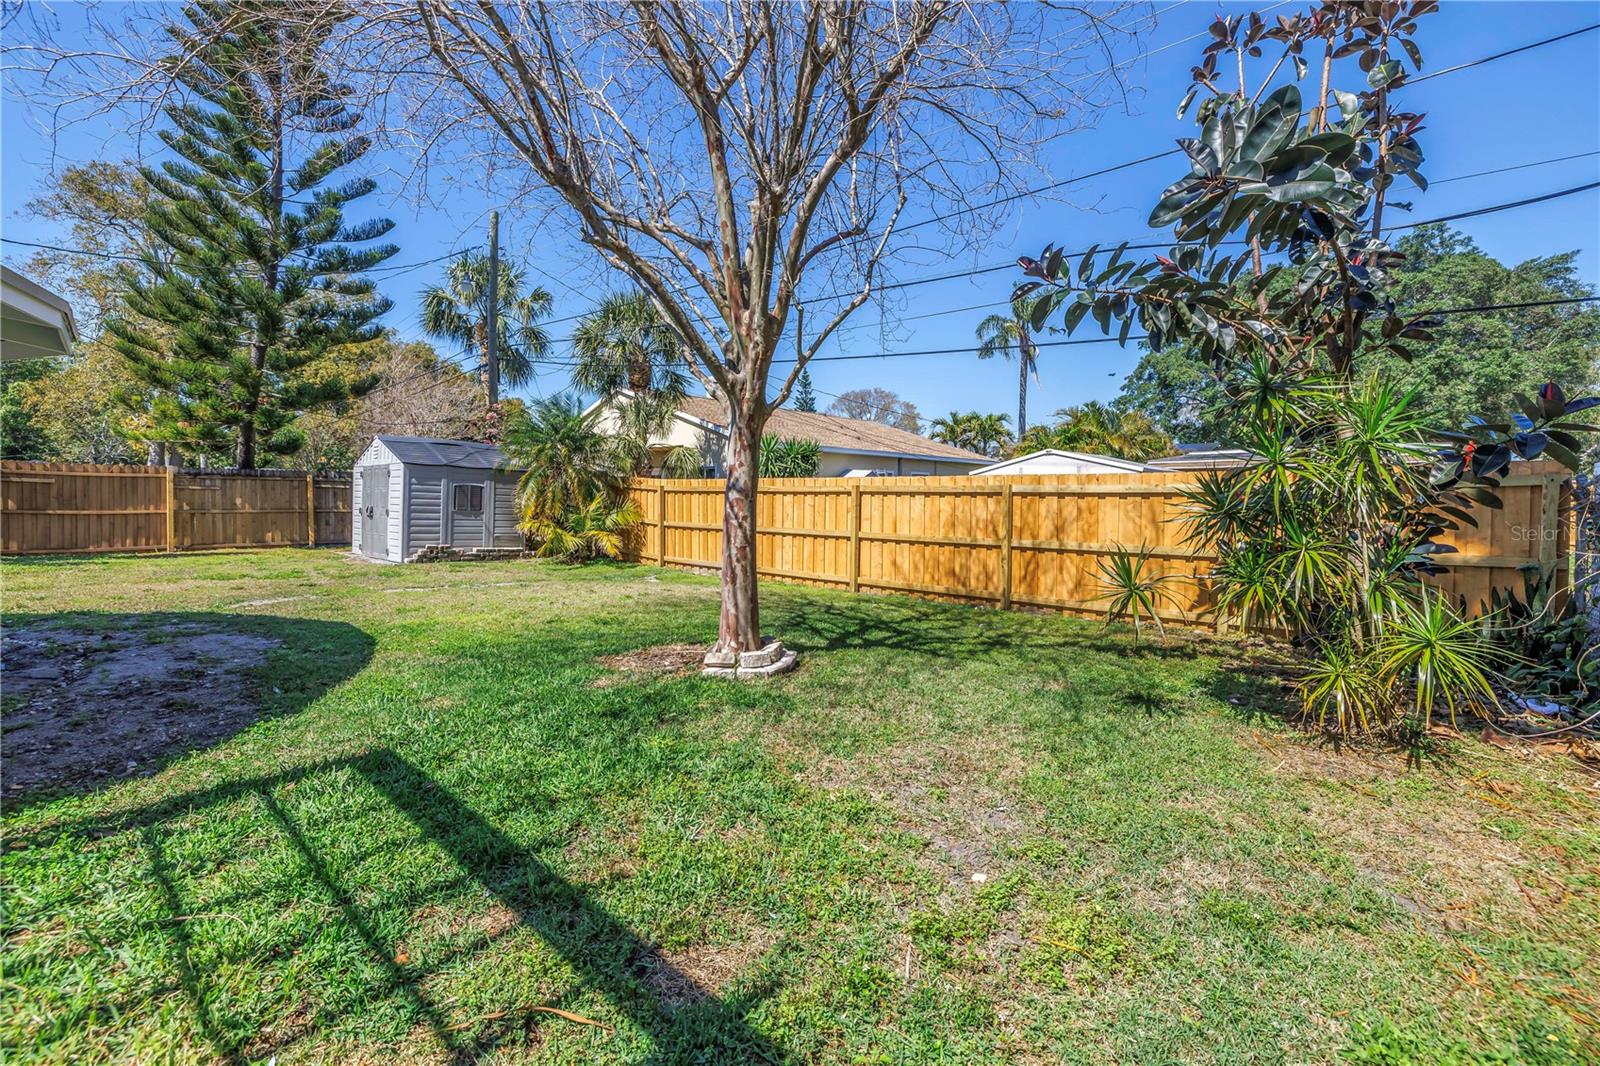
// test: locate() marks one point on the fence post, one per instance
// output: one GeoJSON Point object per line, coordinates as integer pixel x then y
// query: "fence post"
{"type": "Point", "coordinates": [661, 523]}
{"type": "Point", "coordinates": [171, 487]}
{"type": "Point", "coordinates": [1549, 524]}
{"type": "Point", "coordinates": [1005, 548]}
{"type": "Point", "coordinates": [855, 536]}
{"type": "Point", "coordinates": [311, 510]}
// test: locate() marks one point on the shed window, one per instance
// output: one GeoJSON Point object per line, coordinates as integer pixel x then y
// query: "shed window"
{"type": "Point", "coordinates": [467, 499]}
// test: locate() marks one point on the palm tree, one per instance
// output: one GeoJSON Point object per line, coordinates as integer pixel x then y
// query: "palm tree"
{"type": "Point", "coordinates": [567, 461]}
{"type": "Point", "coordinates": [990, 433]}
{"type": "Point", "coordinates": [458, 311]}
{"type": "Point", "coordinates": [624, 345]}
{"type": "Point", "coordinates": [1004, 334]}
{"type": "Point", "coordinates": [1104, 430]}
{"type": "Point", "coordinates": [954, 428]}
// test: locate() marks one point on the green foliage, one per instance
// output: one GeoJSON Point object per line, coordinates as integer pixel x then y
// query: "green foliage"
{"type": "Point", "coordinates": [458, 312]}
{"type": "Point", "coordinates": [1132, 593]}
{"type": "Point", "coordinates": [628, 355]}
{"type": "Point", "coordinates": [1471, 367]}
{"type": "Point", "coordinates": [591, 530]}
{"type": "Point", "coordinates": [805, 397]}
{"type": "Point", "coordinates": [786, 457]}
{"type": "Point", "coordinates": [1012, 335]}
{"type": "Point", "coordinates": [985, 434]}
{"type": "Point", "coordinates": [1098, 429]}
{"type": "Point", "coordinates": [1543, 647]}
{"type": "Point", "coordinates": [625, 344]}
{"type": "Point", "coordinates": [1329, 534]}
{"type": "Point", "coordinates": [565, 459]}
{"type": "Point", "coordinates": [82, 409]}
{"type": "Point", "coordinates": [1328, 537]}
{"type": "Point", "coordinates": [257, 275]}
{"type": "Point", "coordinates": [20, 437]}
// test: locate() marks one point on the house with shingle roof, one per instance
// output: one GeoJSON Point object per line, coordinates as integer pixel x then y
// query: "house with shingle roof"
{"type": "Point", "coordinates": [848, 446]}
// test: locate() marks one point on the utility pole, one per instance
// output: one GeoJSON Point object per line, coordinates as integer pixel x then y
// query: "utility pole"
{"type": "Point", "coordinates": [494, 310]}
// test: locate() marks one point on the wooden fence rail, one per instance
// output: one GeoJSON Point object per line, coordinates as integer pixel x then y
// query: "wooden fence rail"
{"type": "Point", "coordinates": [79, 508]}
{"type": "Point", "coordinates": [1035, 541]}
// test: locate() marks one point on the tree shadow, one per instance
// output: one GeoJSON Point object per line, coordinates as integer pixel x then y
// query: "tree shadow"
{"type": "Point", "coordinates": [683, 1021]}
{"type": "Point", "coordinates": [95, 697]}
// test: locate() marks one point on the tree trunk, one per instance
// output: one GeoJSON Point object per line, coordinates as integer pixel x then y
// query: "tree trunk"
{"type": "Point", "coordinates": [1022, 395]}
{"type": "Point", "coordinates": [739, 628]}
{"type": "Point", "coordinates": [244, 456]}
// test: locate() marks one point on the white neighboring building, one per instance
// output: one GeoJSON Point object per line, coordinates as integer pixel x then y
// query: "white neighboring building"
{"type": "Point", "coordinates": [1205, 459]}
{"type": "Point", "coordinates": [849, 447]}
{"type": "Point", "coordinates": [1055, 461]}
{"type": "Point", "coordinates": [35, 323]}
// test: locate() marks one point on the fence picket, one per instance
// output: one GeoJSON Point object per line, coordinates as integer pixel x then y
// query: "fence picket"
{"type": "Point", "coordinates": [1035, 540]}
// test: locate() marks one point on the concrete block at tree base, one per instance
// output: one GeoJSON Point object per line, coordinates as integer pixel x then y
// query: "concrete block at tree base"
{"type": "Point", "coordinates": [770, 659]}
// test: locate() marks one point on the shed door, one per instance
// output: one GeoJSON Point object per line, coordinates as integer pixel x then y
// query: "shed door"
{"type": "Point", "coordinates": [375, 511]}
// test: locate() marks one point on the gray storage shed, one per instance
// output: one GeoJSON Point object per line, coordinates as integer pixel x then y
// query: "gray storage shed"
{"type": "Point", "coordinates": [411, 493]}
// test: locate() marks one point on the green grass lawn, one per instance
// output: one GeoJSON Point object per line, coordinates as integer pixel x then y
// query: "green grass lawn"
{"type": "Point", "coordinates": [953, 835]}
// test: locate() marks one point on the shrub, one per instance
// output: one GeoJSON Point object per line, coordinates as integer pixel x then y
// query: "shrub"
{"type": "Point", "coordinates": [787, 457]}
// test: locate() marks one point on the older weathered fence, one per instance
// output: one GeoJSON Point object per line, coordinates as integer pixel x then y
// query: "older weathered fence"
{"type": "Point", "coordinates": [74, 508]}
{"type": "Point", "coordinates": [1033, 541]}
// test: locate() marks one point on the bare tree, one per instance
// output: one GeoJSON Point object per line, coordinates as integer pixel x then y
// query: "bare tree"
{"type": "Point", "coordinates": [877, 405]}
{"type": "Point", "coordinates": [718, 154]}
{"type": "Point", "coordinates": [738, 159]}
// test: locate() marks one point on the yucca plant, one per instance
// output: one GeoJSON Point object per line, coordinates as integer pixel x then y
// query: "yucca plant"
{"type": "Point", "coordinates": [1440, 655]}
{"type": "Point", "coordinates": [1279, 279]}
{"type": "Point", "coordinates": [1130, 592]}
{"type": "Point", "coordinates": [1342, 692]}
{"type": "Point", "coordinates": [593, 529]}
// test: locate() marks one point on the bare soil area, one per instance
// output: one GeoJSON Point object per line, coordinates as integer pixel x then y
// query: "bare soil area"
{"type": "Point", "coordinates": [84, 707]}
{"type": "Point", "coordinates": [663, 660]}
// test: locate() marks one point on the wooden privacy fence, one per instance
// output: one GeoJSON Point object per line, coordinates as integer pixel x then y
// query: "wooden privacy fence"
{"type": "Point", "coordinates": [1034, 541]}
{"type": "Point", "coordinates": [77, 508]}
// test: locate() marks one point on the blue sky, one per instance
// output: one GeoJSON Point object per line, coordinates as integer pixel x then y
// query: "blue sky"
{"type": "Point", "coordinates": [1531, 107]}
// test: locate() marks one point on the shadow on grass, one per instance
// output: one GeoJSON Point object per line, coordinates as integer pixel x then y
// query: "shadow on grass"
{"type": "Point", "coordinates": [94, 697]}
{"type": "Point", "coordinates": [1248, 679]}
{"type": "Point", "coordinates": [607, 956]}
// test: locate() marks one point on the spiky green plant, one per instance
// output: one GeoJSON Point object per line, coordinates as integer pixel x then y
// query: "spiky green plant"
{"type": "Point", "coordinates": [787, 457]}
{"type": "Point", "coordinates": [593, 529]}
{"type": "Point", "coordinates": [1440, 654]}
{"type": "Point", "coordinates": [1130, 592]}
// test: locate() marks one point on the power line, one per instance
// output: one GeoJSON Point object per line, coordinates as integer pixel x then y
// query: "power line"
{"type": "Point", "coordinates": [380, 269]}
{"type": "Point", "coordinates": [1149, 245]}
{"type": "Point", "coordinates": [1431, 184]}
{"type": "Point", "coordinates": [1500, 55]}
{"type": "Point", "coordinates": [1052, 186]}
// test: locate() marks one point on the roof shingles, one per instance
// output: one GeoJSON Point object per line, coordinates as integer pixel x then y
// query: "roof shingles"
{"type": "Point", "coordinates": [838, 434]}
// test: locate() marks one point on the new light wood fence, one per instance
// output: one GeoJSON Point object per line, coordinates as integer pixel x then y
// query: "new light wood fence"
{"type": "Point", "coordinates": [78, 508]}
{"type": "Point", "coordinates": [1033, 541]}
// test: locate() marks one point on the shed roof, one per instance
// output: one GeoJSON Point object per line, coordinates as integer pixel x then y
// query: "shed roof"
{"type": "Point", "coordinates": [435, 451]}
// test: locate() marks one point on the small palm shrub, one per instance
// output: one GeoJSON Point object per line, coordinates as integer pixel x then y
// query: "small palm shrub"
{"type": "Point", "coordinates": [573, 491]}
{"type": "Point", "coordinates": [589, 531]}
{"type": "Point", "coordinates": [787, 457]}
{"type": "Point", "coordinates": [1130, 591]}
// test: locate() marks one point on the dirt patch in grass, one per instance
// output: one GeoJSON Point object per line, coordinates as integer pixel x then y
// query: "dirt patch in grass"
{"type": "Point", "coordinates": [85, 707]}
{"type": "Point", "coordinates": [682, 978]}
{"type": "Point", "coordinates": [945, 796]}
{"type": "Point", "coordinates": [663, 660]}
